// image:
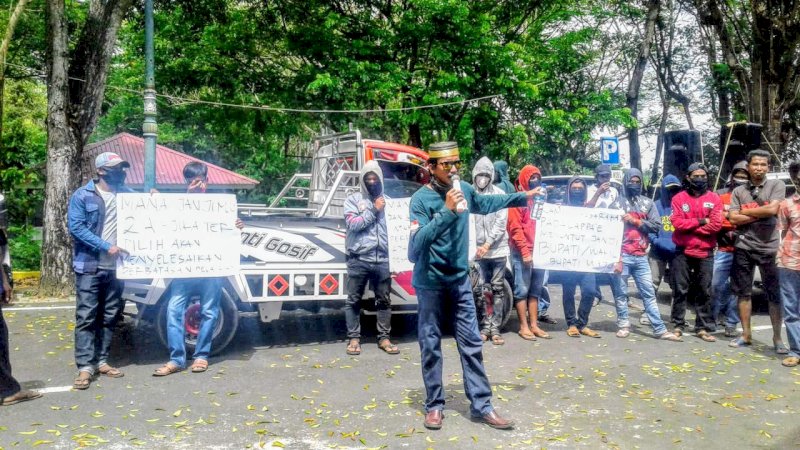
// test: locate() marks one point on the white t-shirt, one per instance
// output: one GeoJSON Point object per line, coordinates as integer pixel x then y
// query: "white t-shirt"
{"type": "Point", "coordinates": [606, 199]}
{"type": "Point", "coordinates": [108, 262]}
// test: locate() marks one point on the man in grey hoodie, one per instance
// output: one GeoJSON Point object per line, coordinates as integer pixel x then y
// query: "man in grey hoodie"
{"type": "Point", "coordinates": [367, 247]}
{"type": "Point", "coordinates": [490, 256]}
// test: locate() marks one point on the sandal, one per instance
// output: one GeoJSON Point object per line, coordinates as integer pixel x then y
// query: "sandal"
{"type": "Point", "coordinates": [498, 340]}
{"type": "Point", "coordinates": [484, 337]}
{"type": "Point", "coordinates": [167, 369]}
{"type": "Point", "coordinates": [354, 347]}
{"type": "Point", "coordinates": [586, 331]}
{"type": "Point", "coordinates": [21, 396]}
{"type": "Point", "coordinates": [387, 346]}
{"type": "Point", "coordinates": [791, 361]}
{"type": "Point", "coordinates": [199, 365]}
{"type": "Point", "coordinates": [111, 372]}
{"type": "Point", "coordinates": [527, 336]}
{"type": "Point", "coordinates": [678, 331]}
{"type": "Point", "coordinates": [623, 333]}
{"type": "Point", "coordinates": [83, 381]}
{"type": "Point", "coordinates": [704, 335]}
{"type": "Point", "coordinates": [541, 334]}
{"type": "Point", "coordinates": [667, 336]}
{"type": "Point", "coordinates": [572, 331]}
{"type": "Point", "coordinates": [739, 343]}
{"type": "Point", "coordinates": [781, 349]}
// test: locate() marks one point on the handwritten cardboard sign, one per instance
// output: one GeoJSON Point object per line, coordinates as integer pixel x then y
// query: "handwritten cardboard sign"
{"type": "Point", "coordinates": [576, 239]}
{"type": "Point", "coordinates": [398, 225]}
{"type": "Point", "coordinates": [177, 235]}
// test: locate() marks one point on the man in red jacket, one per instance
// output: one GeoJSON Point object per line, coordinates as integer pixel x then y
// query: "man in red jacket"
{"type": "Point", "coordinates": [697, 218]}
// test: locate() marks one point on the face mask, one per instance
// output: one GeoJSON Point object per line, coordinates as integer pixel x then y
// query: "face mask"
{"type": "Point", "coordinates": [672, 192]}
{"type": "Point", "coordinates": [737, 182]}
{"type": "Point", "coordinates": [115, 178]}
{"type": "Point", "coordinates": [577, 197]}
{"type": "Point", "coordinates": [533, 183]}
{"type": "Point", "coordinates": [374, 189]}
{"type": "Point", "coordinates": [699, 185]}
{"type": "Point", "coordinates": [482, 181]}
{"type": "Point", "coordinates": [634, 190]}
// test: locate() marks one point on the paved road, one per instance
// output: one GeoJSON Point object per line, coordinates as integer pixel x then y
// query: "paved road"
{"type": "Point", "coordinates": [292, 385]}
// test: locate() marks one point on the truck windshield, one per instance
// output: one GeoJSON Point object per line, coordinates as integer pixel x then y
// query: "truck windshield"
{"type": "Point", "coordinates": [402, 179]}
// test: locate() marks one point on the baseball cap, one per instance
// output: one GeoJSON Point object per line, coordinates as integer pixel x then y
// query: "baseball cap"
{"type": "Point", "coordinates": [696, 166]}
{"type": "Point", "coordinates": [602, 169]}
{"type": "Point", "coordinates": [109, 159]}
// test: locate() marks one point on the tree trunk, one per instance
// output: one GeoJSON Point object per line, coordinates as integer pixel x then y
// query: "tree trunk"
{"type": "Point", "coordinates": [635, 84]}
{"type": "Point", "coordinates": [12, 24]}
{"type": "Point", "coordinates": [414, 135]}
{"type": "Point", "coordinates": [73, 108]}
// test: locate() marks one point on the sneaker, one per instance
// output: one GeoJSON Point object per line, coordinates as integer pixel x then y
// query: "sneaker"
{"type": "Point", "coordinates": [547, 319]}
{"type": "Point", "coordinates": [730, 332]}
{"type": "Point", "coordinates": [623, 332]}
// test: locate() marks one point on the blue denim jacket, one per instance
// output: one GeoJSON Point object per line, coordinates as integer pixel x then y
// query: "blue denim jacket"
{"type": "Point", "coordinates": [85, 218]}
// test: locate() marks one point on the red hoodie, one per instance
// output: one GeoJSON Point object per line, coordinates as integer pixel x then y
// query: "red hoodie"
{"type": "Point", "coordinates": [697, 240]}
{"type": "Point", "coordinates": [521, 228]}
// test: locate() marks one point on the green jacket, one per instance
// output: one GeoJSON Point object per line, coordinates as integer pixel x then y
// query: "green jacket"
{"type": "Point", "coordinates": [439, 242]}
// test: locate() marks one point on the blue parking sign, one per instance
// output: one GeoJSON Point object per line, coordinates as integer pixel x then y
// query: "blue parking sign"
{"type": "Point", "coordinates": [609, 150]}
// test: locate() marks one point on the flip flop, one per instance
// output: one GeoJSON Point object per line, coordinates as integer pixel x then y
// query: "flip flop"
{"type": "Point", "coordinates": [541, 334]}
{"type": "Point", "coordinates": [781, 349]}
{"type": "Point", "coordinates": [667, 336]}
{"type": "Point", "coordinates": [573, 332]}
{"type": "Point", "coordinates": [199, 366]}
{"type": "Point", "coordinates": [704, 335]}
{"type": "Point", "coordinates": [387, 346]}
{"type": "Point", "coordinates": [21, 396]}
{"type": "Point", "coordinates": [739, 343]}
{"type": "Point", "coordinates": [354, 347]}
{"type": "Point", "coordinates": [81, 383]}
{"type": "Point", "coordinates": [527, 336]}
{"type": "Point", "coordinates": [498, 340]}
{"type": "Point", "coordinates": [791, 361]}
{"type": "Point", "coordinates": [111, 372]}
{"type": "Point", "coordinates": [167, 369]}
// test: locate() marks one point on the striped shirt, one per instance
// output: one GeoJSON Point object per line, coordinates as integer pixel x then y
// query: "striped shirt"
{"type": "Point", "coordinates": [789, 224]}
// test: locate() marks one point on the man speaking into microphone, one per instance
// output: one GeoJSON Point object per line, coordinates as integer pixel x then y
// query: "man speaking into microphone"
{"type": "Point", "coordinates": [439, 246]}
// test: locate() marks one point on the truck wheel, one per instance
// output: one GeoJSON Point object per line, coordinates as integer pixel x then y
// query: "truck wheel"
{"type": "Point", "coordinates": [224, 330]}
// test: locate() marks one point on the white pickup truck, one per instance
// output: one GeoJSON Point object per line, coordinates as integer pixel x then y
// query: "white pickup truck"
{"type": "Point", "coordinates": [293, 249]}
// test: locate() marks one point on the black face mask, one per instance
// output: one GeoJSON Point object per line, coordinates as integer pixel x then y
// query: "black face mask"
{"type": "Point", "coordinates": [634, 190]}
{"type": "Point", "coordinates": [115, 178]}
{"type": "Point", "coordinates": [672, 193]}
{"type": "Point", "coordinates": [699, 186]}
{"type": "Point", "coordinates": [533, 183]}
{"type": "Point", "coordinates": [577, 197]}
{"type": "Point", "coordinates": [374, 189]}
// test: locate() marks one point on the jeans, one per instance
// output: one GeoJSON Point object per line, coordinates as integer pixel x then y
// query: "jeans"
{"type": "Point", "coordinates": [790, 294]}
{"type": "Point", "coordinates": [639, 268]}
{"type": "Point", "coordinates": [358, 274]}
{"type": "Point", "coordinates": [724, 302]}
{"type": "Point", "coordinates": [8, 385]}
{"type": "Point", "coordinates": [695, 274]}
{"type": "Point", "coordinates": [492, 272]}
{"type": "Point", "coordinates": [209, 290]}
{"type": "Point", "coordinates": [544, 297]}
{"type": "Point", "coordinates": [662, 271]}
{"type": "Point", "coordinates": [588, 290]}
{"type": "Point", "coordinates": [99, 307]}
{"type": "Point", "coordinates": [470, 347]}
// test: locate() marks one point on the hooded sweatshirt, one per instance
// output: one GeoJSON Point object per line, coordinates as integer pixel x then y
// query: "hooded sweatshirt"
{"type": "Point", "coordinates": [727, 236]}
{"type": "Point", "coordinates": [366, 237]}
{"type": "Point", "coordinates": [521, 228]}
{"type": "Point", "coordinates": [635, 236]}
{"type": "Point", "coordinates": [568, 200]}
{"type": "Point", "coordinates": [662, 246]}
{"type": "Point", "coordinates": [697, 241]}
{"type": "Point", "coordinates": [490, 228]}
{"type": "Point", "coordinates": [501, 178]}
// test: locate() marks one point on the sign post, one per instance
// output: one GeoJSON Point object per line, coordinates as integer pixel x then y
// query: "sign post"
{"type": "Point", "coordinates": [609, 150]}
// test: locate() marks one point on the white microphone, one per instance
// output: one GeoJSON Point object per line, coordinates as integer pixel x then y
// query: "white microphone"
{"type": "Point", "coordinates": [462, 205]}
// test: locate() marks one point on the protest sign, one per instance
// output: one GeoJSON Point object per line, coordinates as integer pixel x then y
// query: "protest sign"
{"type": "Point", "coordinates": [177, 235]}
{"type": "Point", "coordinates": [577, 239]}
{"type": "Point", "coordinates": [398, 225]}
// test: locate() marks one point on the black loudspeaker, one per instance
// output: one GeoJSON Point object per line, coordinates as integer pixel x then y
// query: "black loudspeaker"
{"type": "Point", "coordinates": [681, 149]}
{"type": "Point", "coordinates": [743, 138]}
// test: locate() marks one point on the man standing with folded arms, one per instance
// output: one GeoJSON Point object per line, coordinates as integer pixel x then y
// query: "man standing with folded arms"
{"type": "Point", "coordinates": [754, 210]}
{"type": "Point", "coordinates": [439, 247]}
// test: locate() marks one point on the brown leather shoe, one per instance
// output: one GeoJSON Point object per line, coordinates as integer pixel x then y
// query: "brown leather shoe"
{"type": "Point", "coordinates": [433, 419]}
{"type": "Point", "coordinates": [495, 421]}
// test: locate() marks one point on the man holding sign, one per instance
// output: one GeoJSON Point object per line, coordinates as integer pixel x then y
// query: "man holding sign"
{"type": "Point", "coordinates": [209, 289]}
{"type": "Point", "coordinates": [439, 247]}
{"type": "Point", "coordinates": [92, 221]}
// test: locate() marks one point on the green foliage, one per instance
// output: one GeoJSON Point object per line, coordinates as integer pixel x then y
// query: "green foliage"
{"type": "Point", "coordinates": [25, 248]}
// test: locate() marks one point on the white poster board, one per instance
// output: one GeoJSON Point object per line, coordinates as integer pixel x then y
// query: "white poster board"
{"type": "Point", "coordinates": [398, 225]}
{"type": "Point", "coordinates": [177, 235]}
{"type": "Point", "coordinates": [576, 239]}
